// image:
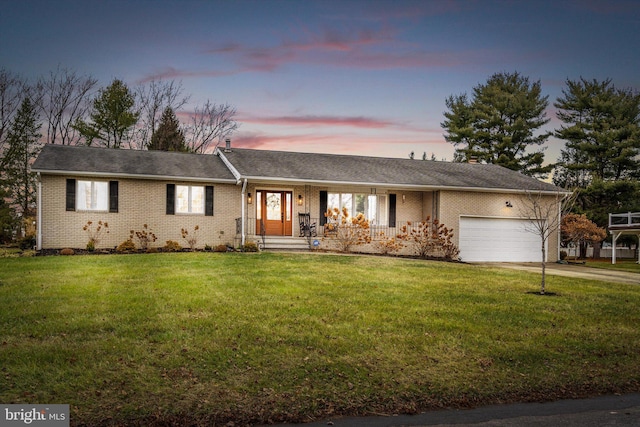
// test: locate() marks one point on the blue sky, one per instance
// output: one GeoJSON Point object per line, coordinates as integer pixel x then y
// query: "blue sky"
{"type": "Point", "coordinates": [356, 77]}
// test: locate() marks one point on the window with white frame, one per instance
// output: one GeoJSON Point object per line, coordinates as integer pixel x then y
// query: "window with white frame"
{"type": "Point", "coordinates": [190, 199]}
{"type": "Point", "coordinates": [92, 196]}
{"type": "Point", "coordinates": [372, 206]}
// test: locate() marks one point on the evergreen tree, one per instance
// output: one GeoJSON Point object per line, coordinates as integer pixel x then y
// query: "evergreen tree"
{"type": "Point", "coordinates": [601, 127]}
{"type": "Point", "coordinates": [112, 116]}
{"type": "Point", "coordinates": [168, 136]}
{"type": "Point", "coordinates": [500, 124]}
{"type": "Point", "coordinates": [22, 149]}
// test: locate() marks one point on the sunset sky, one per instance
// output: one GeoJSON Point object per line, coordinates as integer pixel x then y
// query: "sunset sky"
{"type": "Point", "coordinates": [356, 77]}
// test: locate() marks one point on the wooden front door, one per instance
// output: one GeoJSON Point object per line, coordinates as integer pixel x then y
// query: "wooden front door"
{"type": "Point", "coordinates": [276, 211]}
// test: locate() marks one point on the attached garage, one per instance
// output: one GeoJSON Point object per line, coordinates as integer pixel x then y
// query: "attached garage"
{"type": "Point", "coordinates": [497, 240]}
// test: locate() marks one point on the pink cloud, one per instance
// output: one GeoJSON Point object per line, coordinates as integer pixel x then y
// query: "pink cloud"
{"type": "Point", "coordinates": [332, 121]}
{"type": "Point", "coordinates": [170, 73]}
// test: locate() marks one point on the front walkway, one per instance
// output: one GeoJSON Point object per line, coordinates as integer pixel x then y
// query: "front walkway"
{"type": "Point", "coordinates": [579, 271]}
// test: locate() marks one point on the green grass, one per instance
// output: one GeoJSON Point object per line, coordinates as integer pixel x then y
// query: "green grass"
{"type": "Point", "coordinates": [204, 338]}
{"type": "Point", "coordinates": [622, 265]}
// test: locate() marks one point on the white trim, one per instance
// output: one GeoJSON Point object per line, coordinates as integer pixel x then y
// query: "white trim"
{"type": "Point", "coordinates": [39, 225]}
{"type": "Point", "coordinates": [130, 176]}
{"type": "Point", "coordinates": [228, 164]}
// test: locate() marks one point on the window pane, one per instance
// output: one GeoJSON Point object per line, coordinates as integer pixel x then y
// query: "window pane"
{"type": "Point", "coordinates": [259, 204]}
{"type": "Point", "coordinates": [100, 196]}
{"type": "Point", "coordinates": [333, 201]}
{"type": "Point", "coordinates": [382, 210]}
{"type": "Point", "coordinates": [92, 196]}
{"type": "Point", "coordinates": [347, 202]}
{"type": "Point", "coordinates": [197, 200]}
{"type": "Point", "coordinates": [182, 199]}
{"type": "Point", "coordinates": [288, 206]}
{"type": "Point", "coordinates": [83, 195]}
{"type": "Point", "coordinates": [360, 204]}
{"type": "Point", "coordinates": [372, 208]}
{"type": "Point", "coordinates": [274, 206]}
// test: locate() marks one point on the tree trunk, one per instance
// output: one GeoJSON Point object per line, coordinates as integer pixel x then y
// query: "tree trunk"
{"type": "Point", "coordinates": [544, 269]}
{"type": "Point", "coordinates": [596, 250]}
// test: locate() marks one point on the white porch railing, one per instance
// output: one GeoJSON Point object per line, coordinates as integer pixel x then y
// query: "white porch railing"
{"type": "Point", "coordinates": [629, 219]}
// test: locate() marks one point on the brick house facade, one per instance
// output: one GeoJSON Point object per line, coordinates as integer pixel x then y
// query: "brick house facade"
{"type": "Point", "coordinates": [231, 195]}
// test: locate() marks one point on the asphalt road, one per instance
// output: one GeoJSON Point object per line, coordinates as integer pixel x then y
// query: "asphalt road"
{"type": "Point", "coordinates": [600, 411]}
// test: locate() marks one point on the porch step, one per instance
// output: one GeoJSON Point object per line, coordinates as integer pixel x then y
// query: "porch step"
{"type": "Point", "coordinates": [285, 243]}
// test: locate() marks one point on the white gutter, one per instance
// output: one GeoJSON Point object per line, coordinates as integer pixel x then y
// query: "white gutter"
{"type": "Point", "coordinates": [417, 187]}
{"type": "Point", "coordinates": [134, 176]}
{"type": "Point", "coordinates": [39, 224]}
{"type": "Point", "coordinates": [242, 210]}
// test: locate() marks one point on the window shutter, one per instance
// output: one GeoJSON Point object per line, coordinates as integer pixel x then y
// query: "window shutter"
{"type": "Point", "coordinates": [113, 196]}
{"type": "Point", "coordinates": [71, 195]}
{"type": "Point", "coordinates": [171, 199]}
{"type": "Point", "coordinates": [392, 210]}
{"type": "Point", "coordinates": [323, 207]}
{"type": "Point", "coordinates": [208, 200]}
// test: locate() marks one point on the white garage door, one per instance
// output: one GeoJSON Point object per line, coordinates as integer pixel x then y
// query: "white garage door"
{"type": "Point", "coordinates": [497, 240]}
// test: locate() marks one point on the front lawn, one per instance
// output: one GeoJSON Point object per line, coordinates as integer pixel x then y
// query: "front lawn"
{"type": "Point", "coordinates": [623, 265]}
{"type": "Point", "coordinates": [203, 338]}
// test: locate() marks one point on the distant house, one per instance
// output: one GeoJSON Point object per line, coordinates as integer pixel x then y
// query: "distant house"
{"type": "Point", "coordinates": [235, 195]}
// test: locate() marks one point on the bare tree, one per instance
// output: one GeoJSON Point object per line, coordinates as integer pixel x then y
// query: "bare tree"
{"type": "Point", "coordinates": [63, 98]}
{"type": "Point", "coordinates": [12, 90]}
{"type": "Point", "coordinates": [544, 214]}
{"type": "Point", "coordinates": [153, 98]}
{"type": "Point", "coordinates": [208, 124]}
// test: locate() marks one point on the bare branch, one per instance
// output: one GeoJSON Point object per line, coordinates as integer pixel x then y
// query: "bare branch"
{"type": "Point", "coordinates": [12, 89]}
{"type": "Point", "coordinates": [63, 97]}
{"type": "Point", "coordinates": [208, 124]}
{"type": "Point", "coordinates": [152, 99]}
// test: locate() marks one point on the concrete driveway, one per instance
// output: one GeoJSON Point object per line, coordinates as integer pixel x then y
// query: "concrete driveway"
{"type": "Point", "coordinates": [578, 271]}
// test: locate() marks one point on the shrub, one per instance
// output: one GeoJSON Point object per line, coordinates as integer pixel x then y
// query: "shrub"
{"type": "Point", "coordinates": [220, 248]}
{"type": "Point", "coordinates": [250, 247]}
{"type": "Point", "coordinates": [430, 238]}
{"type": "Point", "coordinates": [386, 245]}
{"type": "Point", "coordinates": [126, 246]}
{"type": "Point", "coordinates": [144, 237]}
{"type": "Point", "coordinates": [208, 247]}
{"type": "Point", "coordinates": [27, 242]}
{"type": "Point", "coordinates": [171, 246]}
{"type": "Point", "coordinates": [191, 239]}
{"type": "Point", "coordinates": [67, 251]}
{"type": "Point", "coordinates": [345, 230]}
{"type": "Point", "coordinates": [95, 234]}
{"type": "Point", "coordinates": [563, 255]}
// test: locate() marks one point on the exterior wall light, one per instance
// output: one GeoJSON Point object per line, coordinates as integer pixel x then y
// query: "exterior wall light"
{"type": "Point", "coordinates": [299, 199]}
{"type": "Point", "coordinates": [249, 199]}
{"type": "Point", "coordinates": [508, 204]}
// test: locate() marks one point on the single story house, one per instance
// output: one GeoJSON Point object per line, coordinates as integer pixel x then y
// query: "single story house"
{"type": "Point", "coordinates": [238, 195]}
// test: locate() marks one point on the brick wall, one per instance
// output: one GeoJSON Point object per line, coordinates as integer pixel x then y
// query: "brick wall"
{"type": "Point", "coordinates": [139, 202]}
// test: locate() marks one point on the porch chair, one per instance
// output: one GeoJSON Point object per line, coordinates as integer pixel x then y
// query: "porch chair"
{"type": "Point", "coordinates": [307, 228]}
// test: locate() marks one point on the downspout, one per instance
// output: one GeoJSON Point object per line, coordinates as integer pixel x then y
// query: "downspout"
{"type": "Point", "coordinates": [242, 209]}
{"type": "Point", "coordinates": [39, 224]}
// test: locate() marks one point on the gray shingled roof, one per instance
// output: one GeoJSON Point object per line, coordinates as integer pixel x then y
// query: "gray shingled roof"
{"type": "Point", "coordinates": [64, 159]}
{"type": "Point", "coordinates": [331, 168]}
{"type": "Point", "coordinates": [265, 165]}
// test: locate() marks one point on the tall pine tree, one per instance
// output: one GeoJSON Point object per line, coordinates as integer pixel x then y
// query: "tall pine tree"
{"type": "Point", "coordinates": [112, 117]}
{"type": "Point", "coordinates": [168, 136]}
{"type": "Point", "coordinates": [500, 124]}
{"type": "Point", "coordinates": [22, 148]}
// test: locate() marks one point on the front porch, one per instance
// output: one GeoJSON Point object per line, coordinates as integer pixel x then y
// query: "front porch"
{"type": "Point", "coordinates": [301, 238]}
{"type": "Point", "coordinates": [625, 223]}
